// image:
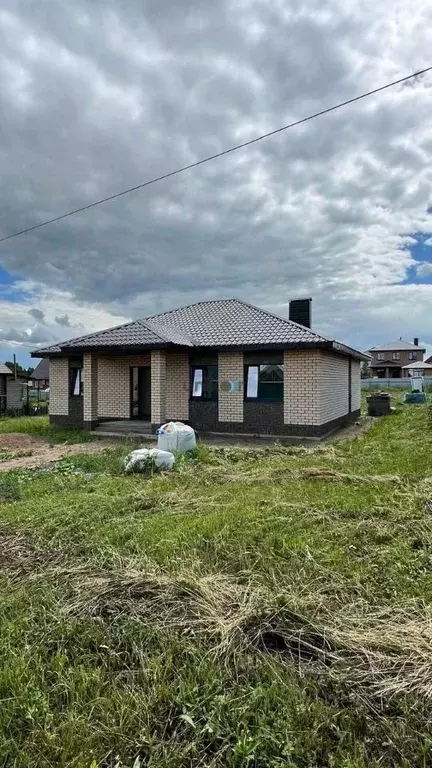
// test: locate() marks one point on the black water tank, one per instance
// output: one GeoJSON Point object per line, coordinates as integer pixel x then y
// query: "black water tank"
{"type": "Point", "coordinates": [378, 404]}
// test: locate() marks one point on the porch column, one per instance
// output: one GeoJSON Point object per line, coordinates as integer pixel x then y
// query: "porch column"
{"type": "Point", "coordinates": [90, 387]}
{"type": "Point", "coordinates": [230, 397]}
{"type": "Point", "coordinates": [158, 386]}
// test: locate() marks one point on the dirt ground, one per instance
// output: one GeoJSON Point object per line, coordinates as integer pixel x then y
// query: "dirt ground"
{"type": "Point", "coordinates": [41, 451]}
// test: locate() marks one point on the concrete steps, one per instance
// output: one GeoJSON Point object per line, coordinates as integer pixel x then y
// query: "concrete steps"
{"type": "Point", "coordinates": [125, 429]}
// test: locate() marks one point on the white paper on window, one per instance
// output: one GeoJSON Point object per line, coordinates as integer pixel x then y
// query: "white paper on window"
{"type": "Point", "coordinates": [197, 386]}
{"type": "Point", "coordinates": [77, 386]}
{"type": "Point", "coordinates": [252, 381]}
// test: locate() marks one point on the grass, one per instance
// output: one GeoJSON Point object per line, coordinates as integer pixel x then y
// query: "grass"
{"type": "Point", "coordinates": [255, 607]}
{"type": "Point", "coordinates": [40, 427]}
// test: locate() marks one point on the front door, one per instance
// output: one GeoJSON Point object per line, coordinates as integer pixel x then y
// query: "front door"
{"type": "Point", "coordinates": [141, 393]}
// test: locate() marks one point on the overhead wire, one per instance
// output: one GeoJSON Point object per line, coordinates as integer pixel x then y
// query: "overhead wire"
{"type": "Point", "coordinates": [215, 156]}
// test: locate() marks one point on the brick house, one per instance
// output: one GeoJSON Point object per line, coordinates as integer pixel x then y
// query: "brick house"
{"type": "Point", "coordinates": [223, 366]}
{"type": "Point", "coordinates": [388, 360]}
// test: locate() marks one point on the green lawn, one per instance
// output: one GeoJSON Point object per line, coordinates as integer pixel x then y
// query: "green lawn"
{"type": "Point", "coordinates": [40, 426]}
{"type": "Point", "coordinates": [254, 608]}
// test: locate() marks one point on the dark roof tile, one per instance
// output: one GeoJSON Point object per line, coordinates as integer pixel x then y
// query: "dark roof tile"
{"type": "Point", "coordinates": [221, 323]}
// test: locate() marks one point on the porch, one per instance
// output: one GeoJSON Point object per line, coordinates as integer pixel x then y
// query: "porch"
{"type": "Point", "coordinates": [125, 428]}
{"type": "Point", "coordinates": [129, 393]}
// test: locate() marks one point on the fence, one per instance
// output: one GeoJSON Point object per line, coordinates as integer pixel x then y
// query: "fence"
{"type": "Point", "coordinates": [26, 409]}
{"type": "Point", "coordinates": [398, 383]}
{"type": "Point", "coordinates": [384, 383]}
{"type": "Point", "coordinates": [21, 400]}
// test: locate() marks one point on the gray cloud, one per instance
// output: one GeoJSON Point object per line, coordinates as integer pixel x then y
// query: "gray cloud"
{"type": "Point", "coordinates": [63, 320]}
{"type": "Point", "coordinates": [37, 314]}
{"type": "Point", "coordinates": [33, 337]}
{"type": "Point", "coordinates": [99, 96]}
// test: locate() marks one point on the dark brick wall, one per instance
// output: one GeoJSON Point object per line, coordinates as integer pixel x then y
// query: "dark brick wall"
{"type": "Point", "coordinates": [260, 419]}
{"type": "Point", "coordinates": [76, 414]}
{"type": "Point", "coordinates": [204, 416]}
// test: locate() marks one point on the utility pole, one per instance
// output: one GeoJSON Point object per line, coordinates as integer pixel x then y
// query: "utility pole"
{"type": "Point", "coordinates": [15, 367]}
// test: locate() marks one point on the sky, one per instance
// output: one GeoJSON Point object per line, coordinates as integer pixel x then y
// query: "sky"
{"type": "Point", "coordinates": [99, 96]}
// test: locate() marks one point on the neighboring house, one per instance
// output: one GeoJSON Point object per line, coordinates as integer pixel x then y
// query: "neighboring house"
{"type": "Point", "coordinates": [419, 369]}
{"type": "Point", "coordinates": [429, 360]}
{"type": "Point", "coordinates": [40, 375]}
{"type": "Point", "coordinates": [223, 366]}
{"type": "Point", "coordinates": [388, 361]}
{"type": "Point", "coordinates": [10, 389]}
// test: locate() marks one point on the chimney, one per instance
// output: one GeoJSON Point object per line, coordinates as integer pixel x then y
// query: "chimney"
{"type": "Point", "coordinates": [300, 311]}
{"type": "Point", "coordinates": [416, 341]}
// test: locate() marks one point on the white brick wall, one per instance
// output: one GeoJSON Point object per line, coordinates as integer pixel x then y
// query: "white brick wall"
{"type": "Point", "coordinates": [301, 387]}
{"type": "Point", "coordinates": [316, 386]}
{"type": "Point", "coordinates": [113, 384]}
{"type": "Point", "coordinates": [177, 386]}
{"type": "Point", "coordinates": [158, 386]}
{"type": "Point", "coordinates": [333, 386]}
{"type": "Point", "coordinates": [59, 386]}
{"type": "Point", "coordinates": [90, 387]}
{"type": "Point", "coordinates": [230, 403]}
{"type": "Point", "coordinates": [355, 385]}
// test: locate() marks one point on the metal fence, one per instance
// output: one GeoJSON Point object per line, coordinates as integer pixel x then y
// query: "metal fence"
{"type": "Point", "coordinates": [397, 383]}
{"type": "Point", "coordinates": [384, 383]}
{"type": "Point", "coordinates": [26, 409]}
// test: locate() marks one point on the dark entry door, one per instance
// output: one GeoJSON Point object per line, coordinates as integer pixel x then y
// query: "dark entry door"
{"type": "Point", "coordinates": [144, 393]}
{"type": "Point", "coordinates": [141, 393]}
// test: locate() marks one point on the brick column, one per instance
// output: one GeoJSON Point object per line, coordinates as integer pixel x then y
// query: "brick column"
{"type": "Point", "coordinates": [177, 382]}
{"type": "Point", "coordinates": [90, 386]}
{"type": "Point", "coordinates": [158, 386]}
{"type": "Point", "coordinates": [231, 373]}
{"type": "Point", "coordinates": [59, 386]}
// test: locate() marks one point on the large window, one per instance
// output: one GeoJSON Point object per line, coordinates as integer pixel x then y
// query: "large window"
{"type": "Point", "coordinates": [380, 356]}
{"type": "Point", "coordinates": [396, 355]}
{"type": "Point", "coordinates": [264, 382]}
{"type": "Point", "coordinates": [75, 381]}
{"type": "Point", "coordinates": [204, 384]}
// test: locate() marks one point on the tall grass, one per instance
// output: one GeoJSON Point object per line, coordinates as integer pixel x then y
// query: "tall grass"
{"type": "Point", "coordinates": [256, 607]}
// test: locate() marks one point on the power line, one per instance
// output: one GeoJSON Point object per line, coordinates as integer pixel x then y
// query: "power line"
{"type": "Point", "coordinates": [218, 154]}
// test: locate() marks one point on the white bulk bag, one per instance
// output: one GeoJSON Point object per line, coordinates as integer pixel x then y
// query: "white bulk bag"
{"type": "Point", "coordinates": [176, 436]}
{"type": "Point", "coordinates": [142, 459]}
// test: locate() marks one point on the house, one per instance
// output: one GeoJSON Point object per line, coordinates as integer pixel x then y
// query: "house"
{"type": "Point", "coordinates": [40, 375]}
{"type": "Point", "coordinates": [388, 360]}
{"type": "Point", "coordinates": [418, 369]}
{"type": "Point", "coordinates": [11, 390]}
{"type": "Point", "coordinates": [223, 366]}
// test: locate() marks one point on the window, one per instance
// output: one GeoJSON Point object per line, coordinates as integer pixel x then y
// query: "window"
{"type": "Point", "coordinates": [264, 382]}
{"type": "Point", "coordinates": [380, 356]}
{"type": "Point", "coordinates": [75, 381]}
{"type": "Point", "coordinates": [396, 355]}
{"type": "Point", "coordinates": [204, 382]}
{"type": "Point", "coordinates": [413, 355]}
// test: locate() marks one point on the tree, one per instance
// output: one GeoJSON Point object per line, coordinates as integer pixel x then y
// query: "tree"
{"type": "Point", "coordinates": [19, 368]}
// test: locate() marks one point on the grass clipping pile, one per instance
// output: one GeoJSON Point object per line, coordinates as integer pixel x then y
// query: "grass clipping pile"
{"type": "Point", "coordinates": [379, 653]}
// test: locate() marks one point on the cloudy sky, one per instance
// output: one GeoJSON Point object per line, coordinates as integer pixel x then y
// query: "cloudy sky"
{"type": "Point", "coordinates": [99, 96]}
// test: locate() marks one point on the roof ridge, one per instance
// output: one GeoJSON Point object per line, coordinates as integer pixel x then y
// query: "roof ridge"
{"type": "Point", "coordinates": [284, 319]}
{"type": "Point", "coordinates": [154, 327]}
{"type": "Point", "coordinates": [187, 306]}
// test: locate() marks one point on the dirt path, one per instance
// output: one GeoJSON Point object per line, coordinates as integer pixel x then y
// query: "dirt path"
{"type": "Point", "coordinates": [41, 452]}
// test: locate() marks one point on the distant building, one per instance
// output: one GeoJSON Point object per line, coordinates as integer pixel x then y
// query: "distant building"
{"type": "Point", "coordinates": [389, 360]}
{"type": "Point", "coordinates": [11, 389]}
{"type": "Point", "coordinates": [40, 375]}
